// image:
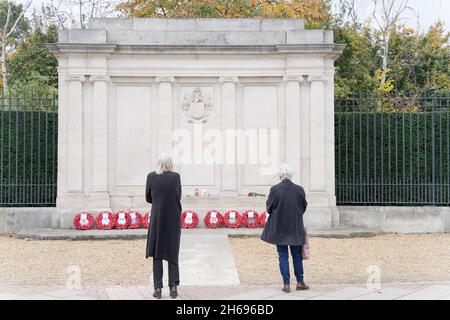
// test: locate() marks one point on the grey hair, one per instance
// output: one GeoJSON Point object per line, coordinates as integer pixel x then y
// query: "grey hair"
{"type": "Point", "coordinates": [286, 172]}
{"type": "Point", "coordinates": [164, 163]}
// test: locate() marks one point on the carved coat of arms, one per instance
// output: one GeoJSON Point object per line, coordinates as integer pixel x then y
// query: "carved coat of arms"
{"type": "Point", "coordinates": [197, 106]}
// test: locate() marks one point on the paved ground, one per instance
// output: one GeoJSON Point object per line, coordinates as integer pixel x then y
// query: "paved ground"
{"type": "Point", "coordinates": [403, 291]}
{"type": "Point", "coordinates": [408, 266]}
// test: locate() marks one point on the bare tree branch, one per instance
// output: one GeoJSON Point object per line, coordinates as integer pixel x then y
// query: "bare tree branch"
{"type": "Point", "coordinates": [28, 4]}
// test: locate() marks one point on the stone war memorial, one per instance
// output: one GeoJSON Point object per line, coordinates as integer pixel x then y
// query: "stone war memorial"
{"type": "Point", "coordinates": [130, 89]}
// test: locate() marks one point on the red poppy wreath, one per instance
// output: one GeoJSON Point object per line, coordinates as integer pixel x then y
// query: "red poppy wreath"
{"type": "Point", "coordinates": [232, 219]}
{"type": "Point", "coordinates": [105, 220]}
{"type": "Point", "coordinates": [189, 220]}
{"type": "Point", "coordinates": [136, 220]}
{"type": "Point", "coordinates": [250, 219]}
{"type": "Point", "coordinates": [123, 220]}
{"type": "Point", "coordinates": [213, 219]}
{"type": "Point", "coordinates": [83, 221]}
{"type": "Point", "coordinates": [262, 219]}
{"type": "Point", "coordinates": [146, 220]}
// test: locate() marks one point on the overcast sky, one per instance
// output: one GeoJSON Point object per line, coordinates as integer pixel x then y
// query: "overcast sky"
{"type": "Point", "coordinates": [428, 11]}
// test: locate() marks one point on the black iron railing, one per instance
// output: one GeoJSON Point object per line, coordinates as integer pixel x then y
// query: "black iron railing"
{"type": "Point", "coordinates": [28, 149]}
{"type": "Point", "coordinates": [393, 150]}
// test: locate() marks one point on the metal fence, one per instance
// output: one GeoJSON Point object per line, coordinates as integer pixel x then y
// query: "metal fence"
{"type": "Point", "coordinates": [393, 150]}
{"type": "Point", "coordinates": [28, 154]}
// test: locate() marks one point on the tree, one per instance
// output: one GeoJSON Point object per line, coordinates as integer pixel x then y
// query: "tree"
{"type": "Point", "coordinates": [356, 68]}
{"type": "Point", "coordinates": [315, 12]}
{"type": "Point", "coordinates": [32, 66]}
{"type": "Point", "coordinates": [348, 10]}
{"type": "Point", "coordinates": [387, 14]}
{"type": "Point", "coordinates": [13, 26]}
{"type": "Point", "coordinates": [420, 60]}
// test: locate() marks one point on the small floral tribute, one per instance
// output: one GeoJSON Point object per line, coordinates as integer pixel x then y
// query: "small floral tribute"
{"type": "Point", "coordinates": [232, 219]}
{"type": "Point", "coordinates": [213, 219]}
{"type": "Point", "coordinates": [83, 221]}
{"type": "Point", "coordinates": [189, 220]}
{"type": "Point", "coordinates": [105, 220]}
{"type": "Point", "coordinates": [250, 219]}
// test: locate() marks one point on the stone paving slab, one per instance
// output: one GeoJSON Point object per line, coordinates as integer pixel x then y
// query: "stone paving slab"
{"type": "Point", "coordinates": [434, 292]}
{"type": "Point", "coordinates": [71, 234]}
{"type": "Point", "coordinates": [239, 292]}
{"type": "Point", "coordinates": [385, 294]}
{"type": "Point", "coordinates": [214, 248]}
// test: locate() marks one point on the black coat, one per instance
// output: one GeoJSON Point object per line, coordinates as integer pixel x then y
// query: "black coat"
{"type": "Point", "coordinates": [163, 191]}
{"type": "Point", "coordinates": [286, 205]}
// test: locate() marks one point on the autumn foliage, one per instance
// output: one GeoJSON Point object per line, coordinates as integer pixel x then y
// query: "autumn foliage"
{"type": "Point", "coordinates": [315, 12]}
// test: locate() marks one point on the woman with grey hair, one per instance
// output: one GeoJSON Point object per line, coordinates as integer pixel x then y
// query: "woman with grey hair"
{"type": "Point", "coordinates": [163, 191]}
{"type": "Point", "coordinates": [286, 205]}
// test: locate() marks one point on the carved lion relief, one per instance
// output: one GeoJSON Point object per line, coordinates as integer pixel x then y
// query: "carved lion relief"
{"type": "Point", "coordinates": [197, 106]}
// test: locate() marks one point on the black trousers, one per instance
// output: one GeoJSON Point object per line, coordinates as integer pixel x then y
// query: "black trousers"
{"type": "Point", "coordinates": [174, 274]}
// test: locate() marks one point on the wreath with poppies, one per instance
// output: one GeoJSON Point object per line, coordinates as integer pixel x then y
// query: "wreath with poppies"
{"type": "Point", "coordinates": [123, 220]}
{"type": "Point", "coordinates": [232, 219]}
{"type": "Point", "coordinates": [146, 220]}
{"type": "Point", "coordinates": [83, 221]}
{"type": "Point", "coordinates": [213, 219]}
{"type": "Point", "coordinates": [250, 219]}
{"type": "Point", "coordinates": [262, 219]}
{"type": "Point", "coordinates": [105, 220]}
{"type": "Point", "coordinates": [189, 220]}
{"type": "Point", "coordinates": [136, 220]}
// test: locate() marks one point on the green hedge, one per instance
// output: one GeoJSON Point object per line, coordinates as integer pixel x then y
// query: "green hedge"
{"type": "Point", "coordinates": [28, 157]}
{"type": "Point", "coordinates": [394, 151]}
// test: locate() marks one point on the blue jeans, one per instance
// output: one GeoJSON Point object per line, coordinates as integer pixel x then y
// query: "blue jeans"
{"type": "Point", "coordinates": [283, 258]}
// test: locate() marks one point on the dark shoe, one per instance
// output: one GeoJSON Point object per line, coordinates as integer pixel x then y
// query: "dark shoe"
{"type": "Point", "coordinates": [286, 288]}
{"type": "Point", "coordinates": [173, 292]}
{"type": "Point", "coordinates": [157, 293]}
{"type": "Point", "coordinates": [302, 286]}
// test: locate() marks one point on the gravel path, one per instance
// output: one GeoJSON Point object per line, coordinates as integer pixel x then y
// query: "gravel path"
{"type": "Point", "coordinates": [109, 262]}
{"type": "Point", "coordinates": [401, 258]}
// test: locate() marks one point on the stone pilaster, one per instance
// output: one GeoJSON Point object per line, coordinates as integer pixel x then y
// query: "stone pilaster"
{"type": "Point", "coordinates": [165, 116]}
{"type": "Point", "coordinates": [293, 135]}
{"type": "Point", "coordinates": [318, 134]}
{"type": "Point", "coordinates": [100, 133]}
{"type": "Point", "coordinates": [75, 133]}
{"type": "Point", "coordinates": [229, 167]}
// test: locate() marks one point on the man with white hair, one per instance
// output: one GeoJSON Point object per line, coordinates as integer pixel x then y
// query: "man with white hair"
{"type": "Point", "coordinates": [286, 205]}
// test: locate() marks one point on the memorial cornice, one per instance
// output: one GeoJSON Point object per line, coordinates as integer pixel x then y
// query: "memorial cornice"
{"type": "Point", "coordinates": [331, 50]}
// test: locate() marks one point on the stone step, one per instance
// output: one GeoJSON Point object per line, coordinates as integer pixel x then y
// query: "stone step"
{"type": "Point", "coordinates": [71, 234]}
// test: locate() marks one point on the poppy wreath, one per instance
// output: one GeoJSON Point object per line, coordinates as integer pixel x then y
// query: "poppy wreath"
{"type": "Point", "coordinates": [83, 221]}
{"type": "Point", "coordinates": [193, 221]}
{"type": "Point", "coordinates": [232, 225]}
{"type": "Point", "coordinates": [262, 219]}
{"type": "Point", "coordinates": [247, 216]}
{"type": "Point", "coordinates": [105, 220]}
{"type": "Point", "coordinates": [213, 224]}
{"type": "Point", "coordinates": [146, 220]}
{"type": "Point", "coordinates": [123, 220]}
{"type": "Point", "coordinates": [136, 220]}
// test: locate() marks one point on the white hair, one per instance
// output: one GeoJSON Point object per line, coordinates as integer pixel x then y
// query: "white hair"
{"type": "Point", "coordinates": [286, 172]}
{"type": "Point", "coordinates": [164, 163]}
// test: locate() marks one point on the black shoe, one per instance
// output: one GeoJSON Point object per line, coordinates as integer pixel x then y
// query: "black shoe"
{"type": "Point", "coordinates": [157, 293]}
{"type": "Point", "coordinates": [302, 286]}
{"type": "Point", "coordinates": [173, 292]}
{"type": "Point", "coordinates": [286, 288]}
